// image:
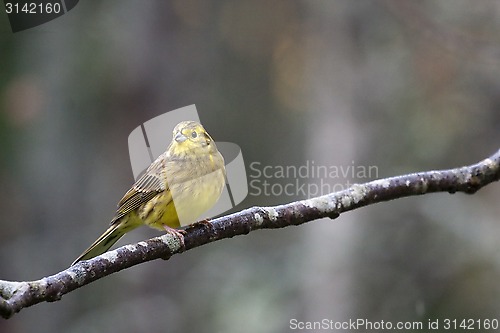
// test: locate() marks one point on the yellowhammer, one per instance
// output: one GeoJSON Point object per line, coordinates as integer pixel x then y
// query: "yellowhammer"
{"type": "Point", "coordinates": [183, 183]}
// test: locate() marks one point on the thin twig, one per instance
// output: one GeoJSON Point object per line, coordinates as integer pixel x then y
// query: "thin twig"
{"type": "Point", "coordinates": [15, 296]}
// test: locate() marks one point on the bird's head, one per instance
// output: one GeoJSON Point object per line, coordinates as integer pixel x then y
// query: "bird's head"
{"type": "Point", "coordinates": [191, 136]}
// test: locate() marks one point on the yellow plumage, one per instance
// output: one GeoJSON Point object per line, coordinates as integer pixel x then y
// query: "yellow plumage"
{"type": "Point", "coordinates": [180, 185]}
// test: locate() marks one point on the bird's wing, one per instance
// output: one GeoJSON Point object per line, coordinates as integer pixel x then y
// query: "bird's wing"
{"type": "Point", "coordinates": [144, 189]}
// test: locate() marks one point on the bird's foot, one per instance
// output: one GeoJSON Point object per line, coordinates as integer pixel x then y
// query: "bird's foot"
{"type": "Point", "coordinates": [179, 233]}
{"type": "Point", "coordinates": [206, 223]}
{"type": "Point", "coordinates": [209, 226]}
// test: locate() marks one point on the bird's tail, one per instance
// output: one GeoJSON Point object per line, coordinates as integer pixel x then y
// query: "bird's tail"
{"type": "Point", "coordinates": [106, 240]}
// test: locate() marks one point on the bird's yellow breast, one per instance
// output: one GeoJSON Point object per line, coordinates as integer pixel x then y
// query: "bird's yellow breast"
{"type": "Point", "coordinates": [183, 203]}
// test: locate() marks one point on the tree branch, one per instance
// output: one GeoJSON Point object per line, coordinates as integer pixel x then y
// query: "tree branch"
{"type": "Point", "coordinates": [15, 296]}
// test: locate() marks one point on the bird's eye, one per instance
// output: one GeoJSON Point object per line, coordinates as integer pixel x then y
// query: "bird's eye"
{"type": "Point", "coordinates": [194, 135]}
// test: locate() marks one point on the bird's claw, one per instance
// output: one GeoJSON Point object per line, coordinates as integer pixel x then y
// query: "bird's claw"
{"type": "Point", "coordinates": [179, 233]}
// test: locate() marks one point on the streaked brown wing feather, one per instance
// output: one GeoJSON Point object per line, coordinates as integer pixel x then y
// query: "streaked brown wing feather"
{"type": "Point", "coordinates": [146, 188]}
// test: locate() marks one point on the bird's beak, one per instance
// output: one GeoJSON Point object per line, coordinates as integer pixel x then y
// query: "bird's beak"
{"type": "Point", "coordinates": [179, 137]}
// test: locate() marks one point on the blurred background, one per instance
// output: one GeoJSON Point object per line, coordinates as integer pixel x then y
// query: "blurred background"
{"type": "Point", "coordinates": [403, 86]}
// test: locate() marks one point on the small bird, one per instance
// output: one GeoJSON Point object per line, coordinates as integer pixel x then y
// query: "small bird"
{"type": "Point", "coordinates": [180, 185]}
